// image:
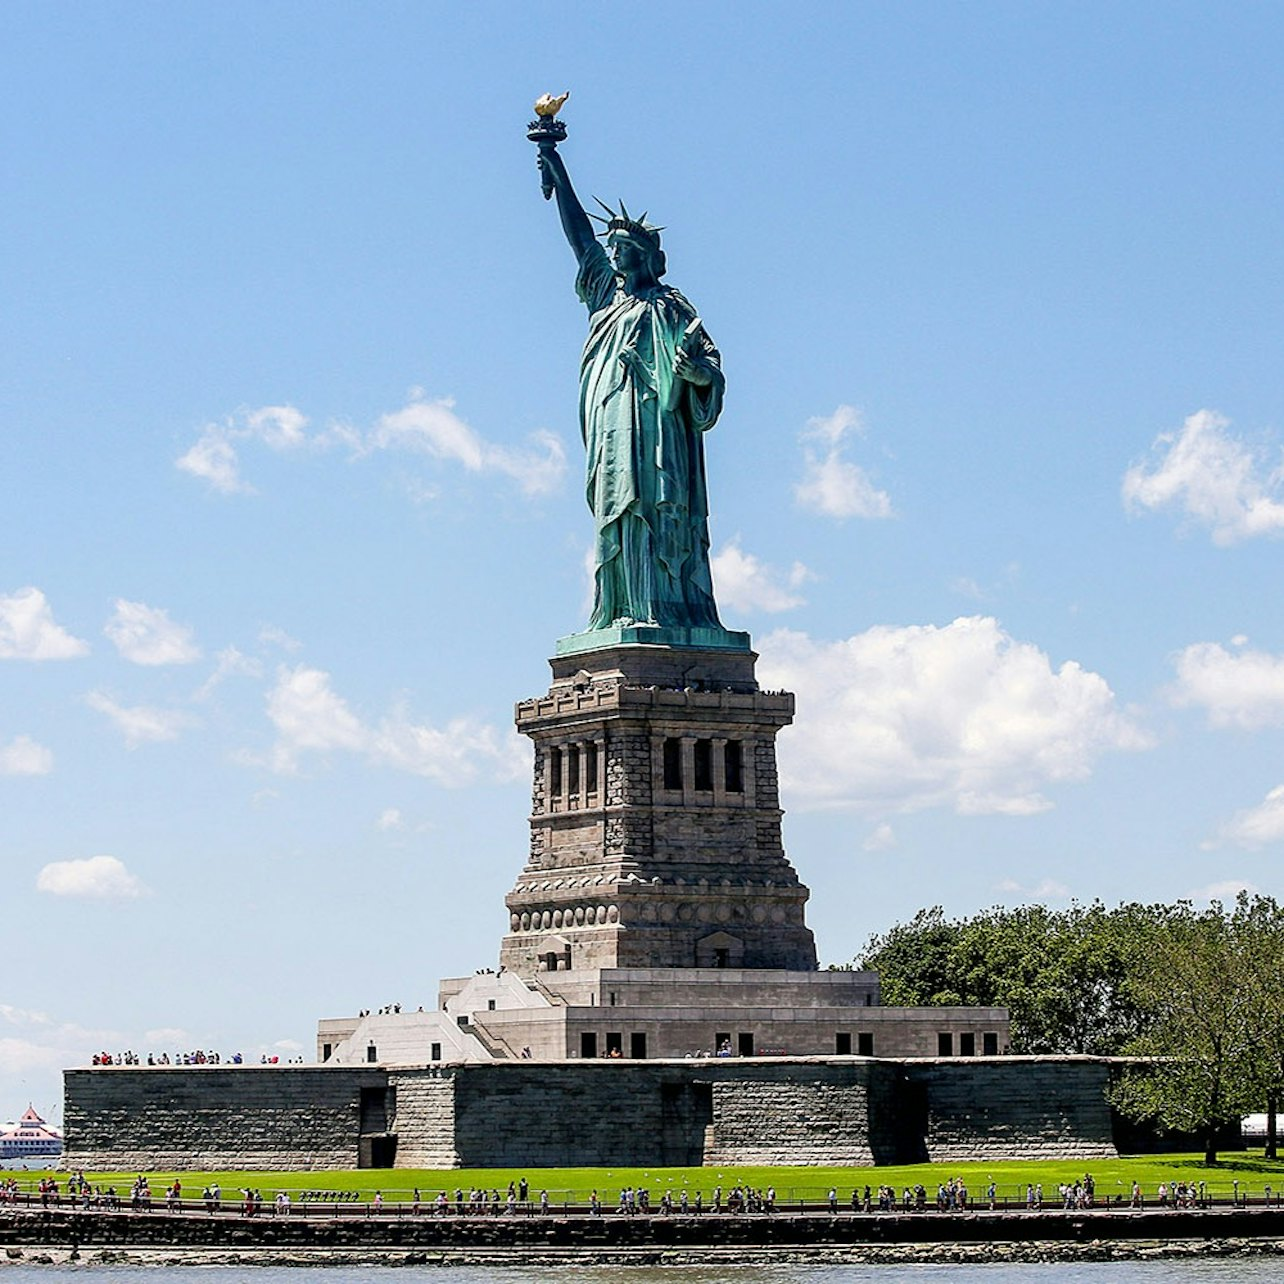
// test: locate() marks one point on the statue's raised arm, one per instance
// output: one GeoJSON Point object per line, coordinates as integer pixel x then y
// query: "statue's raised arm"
{"type": "Point", "coordinates": [575, 222]}
{"type": "Point", "coordinates": [651, 385]}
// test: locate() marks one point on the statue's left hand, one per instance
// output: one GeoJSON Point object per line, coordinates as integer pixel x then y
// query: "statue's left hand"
{"type": "Point", "coordinates": [692, 369]}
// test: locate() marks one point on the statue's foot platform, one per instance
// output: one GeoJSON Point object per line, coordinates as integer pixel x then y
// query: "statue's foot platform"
{"type": "Point", "coordinates": [653, 635]}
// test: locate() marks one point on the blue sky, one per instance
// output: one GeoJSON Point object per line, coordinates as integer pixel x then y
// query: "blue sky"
{"type": "Point", "coordinates": [289, 468]}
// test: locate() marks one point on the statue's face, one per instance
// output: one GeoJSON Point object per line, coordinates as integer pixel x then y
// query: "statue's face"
{"type": "Point", "coordinates": [628, 255]}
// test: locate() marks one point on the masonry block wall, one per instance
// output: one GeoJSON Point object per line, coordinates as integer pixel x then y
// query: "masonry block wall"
{"type": "Point", "coordinates": [527, 1114]}
{"type": "Point", "coordinates": [214, 1117]}
{"type": "Point", "coordinates": [807, 1110]}
{"type": "Point", "coordinates": [1009, 1108]}
{"type": "Point", "coordinates": [423, 1118]}
{"type": "Point", "coordinates": [818, 1116]}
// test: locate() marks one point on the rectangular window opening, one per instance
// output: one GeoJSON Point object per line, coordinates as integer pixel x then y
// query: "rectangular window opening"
{"type": "Point", "coordinates": [945, 1044]}
{"type": "Point", "coordinates": [704, 766]}
{"type": "Point", "coordinates": [637, 1045]}
{"type": "Point", "coordinates": [735, 767]}
{"type": "Point", "coordinates": [372, 1053]}
{"type": "Point", "coordinates": [744, 1043]}
{"type": "Point", "coordinates": [590, 768]}
{"type": "Point", "coordinates": [435, 1053]}
{"type": "Point", "coordinates": [967, 1044]}
{"type": "Point", "coordinates": [573, 770]}
{"type": "Point", "coordinates": [555, 772]}
{"type": "Point", "coordinates": [614, 1043]}
{"type": "Point", "coordinates": [865, 1043]}
{"type": "Point", "coordinates": [843, 1045]}
{"type": "Point", "coordinates": [673, 763]}
{"type": "Point", "coordinates": [990, 1044]}
{"type": "Point", "coordinates": [588, 1044]}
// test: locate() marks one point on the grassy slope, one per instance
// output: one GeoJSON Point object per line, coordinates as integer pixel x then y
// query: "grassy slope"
{"type": "Point", "coordinates": [1113, 1176]}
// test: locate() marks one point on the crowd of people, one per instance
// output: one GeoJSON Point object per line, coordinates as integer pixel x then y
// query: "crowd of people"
{"type": "Point", "coordinates": [952, 1196]}
{"type": "Point", "coordinates": [197, 1057]}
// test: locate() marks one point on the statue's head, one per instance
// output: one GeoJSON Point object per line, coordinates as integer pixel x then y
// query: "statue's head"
{"type": "Point", "coordinates": [621, 230]}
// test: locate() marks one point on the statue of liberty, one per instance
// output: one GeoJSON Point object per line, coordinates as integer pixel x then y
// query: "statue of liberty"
{"type": "Point", "coordinates": [651, 385]}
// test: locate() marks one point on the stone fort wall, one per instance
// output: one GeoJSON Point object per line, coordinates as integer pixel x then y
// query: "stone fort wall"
{"type": "Point", "coordinates": [811, 1110]}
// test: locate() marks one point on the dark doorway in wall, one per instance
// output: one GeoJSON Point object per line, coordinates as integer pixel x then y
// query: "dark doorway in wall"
{"type": "Point", "coordinates": [744, 1043]}
{"type": "Point", "coordinates": [588, 1044]}
{"type": "Point", "coordinates": [843, 1045]}
{"type": "Point", "coordinates": [374, 1110]}
{"type": "Point", "coordinates": [686, 1117]}
{"type": "Point", "coordinates": [614, 1043]}
{"type": "Point", "coordinates": [637, 1045]}
{"type": "Point", "coordinates": [379, 1151]}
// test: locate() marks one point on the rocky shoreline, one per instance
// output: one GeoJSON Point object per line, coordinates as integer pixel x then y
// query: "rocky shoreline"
{"type": "Point", "coordinates": [59, 1236]}
{"type": "Point", "coordinates": [976, 1254]}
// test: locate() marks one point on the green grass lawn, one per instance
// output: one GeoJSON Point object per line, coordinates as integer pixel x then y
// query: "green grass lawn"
{"type": "Point", "coordinates": [1112, 1176]}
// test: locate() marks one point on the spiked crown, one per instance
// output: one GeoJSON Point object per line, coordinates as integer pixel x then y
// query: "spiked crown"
{"type": "Point", "coordinates": [622, 223]}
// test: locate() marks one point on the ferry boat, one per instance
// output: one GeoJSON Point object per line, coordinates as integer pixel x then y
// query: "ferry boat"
{"type": "Point", "coordinates": [29, 1138]}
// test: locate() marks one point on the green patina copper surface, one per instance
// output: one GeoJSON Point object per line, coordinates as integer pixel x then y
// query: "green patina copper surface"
{"type": "Point", "coordinates": [651, 386]}
{"type": "Point", "coordinates": [717, 639]}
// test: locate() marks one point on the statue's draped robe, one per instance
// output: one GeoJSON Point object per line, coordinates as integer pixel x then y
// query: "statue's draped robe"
{"type": "Point", "coordinates": [643, 436]}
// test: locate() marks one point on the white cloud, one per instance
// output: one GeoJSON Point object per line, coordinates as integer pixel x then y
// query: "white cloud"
{"type": "Point", "coordinates": [22, 756]}
{"type": "Point", "coordinates": [36, 1047]}
{"type": "Point", "coordinates": [213, 457]}
{"type": "Point", "coordinates": [831, 484]}
{"type": "Point", "coordinates": [1225, 891]}
{"type": "Point", "coordinates": [146, 635]}
{"type": "Point", "coordinates": [1214, 477]}
{"type": "Point", "coordinates": [457, 755]}
{"type": "Point", "coordinates": [390, 818]}
{"type": "Point", "coordinates": [420, 427]}
{"type": "Point", "coordinates": [1047, 889]}
{"type": "Point", "coordinates": [140, 724]}
{"type": "Point", "coordinates": [28, 631]}
{"type": "Point", "coordinates": [1255, 827]}
{"type": "Point", "coordinates": [281, 427]}
{"type": "Point", "coordinates": [1244, 689]}
{"type": "Point", "coordinates": [270, 635]}
{"type": "Point", "coordinates": [882, 838]}
{"type": "Point", "coordinates": [309, 716]}
{"type": "Point", "coordinates": [101, 878]}
{"type": "Point", "coordinates": [433, 428]}
{"type": "Point", "coordinates": [743, 583]}
{"type": "Point", "coordinates": [960, 716]}
{"type": "Point", "coordinates": [230, 663]}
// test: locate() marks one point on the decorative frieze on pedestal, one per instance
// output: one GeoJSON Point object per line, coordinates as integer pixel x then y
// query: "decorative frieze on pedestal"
{"type": "Point", "coordinates": [655, 819]}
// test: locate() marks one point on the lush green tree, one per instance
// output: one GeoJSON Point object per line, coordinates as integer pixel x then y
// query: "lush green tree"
{"type": "Point", "coordinates": [1258, 922]}
{"type": "Point", "coordinates": [1060, 973]}
{"type": "Point", "coordinates": [1195, 995]}
{"type": "Point", "coordinates": [913, 960]}
{"type": "Point", "coordinates": [1203, 1067]}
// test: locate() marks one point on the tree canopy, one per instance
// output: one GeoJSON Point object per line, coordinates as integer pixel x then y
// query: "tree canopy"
{"type": "Point", "coordinates": [1195, 993]}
